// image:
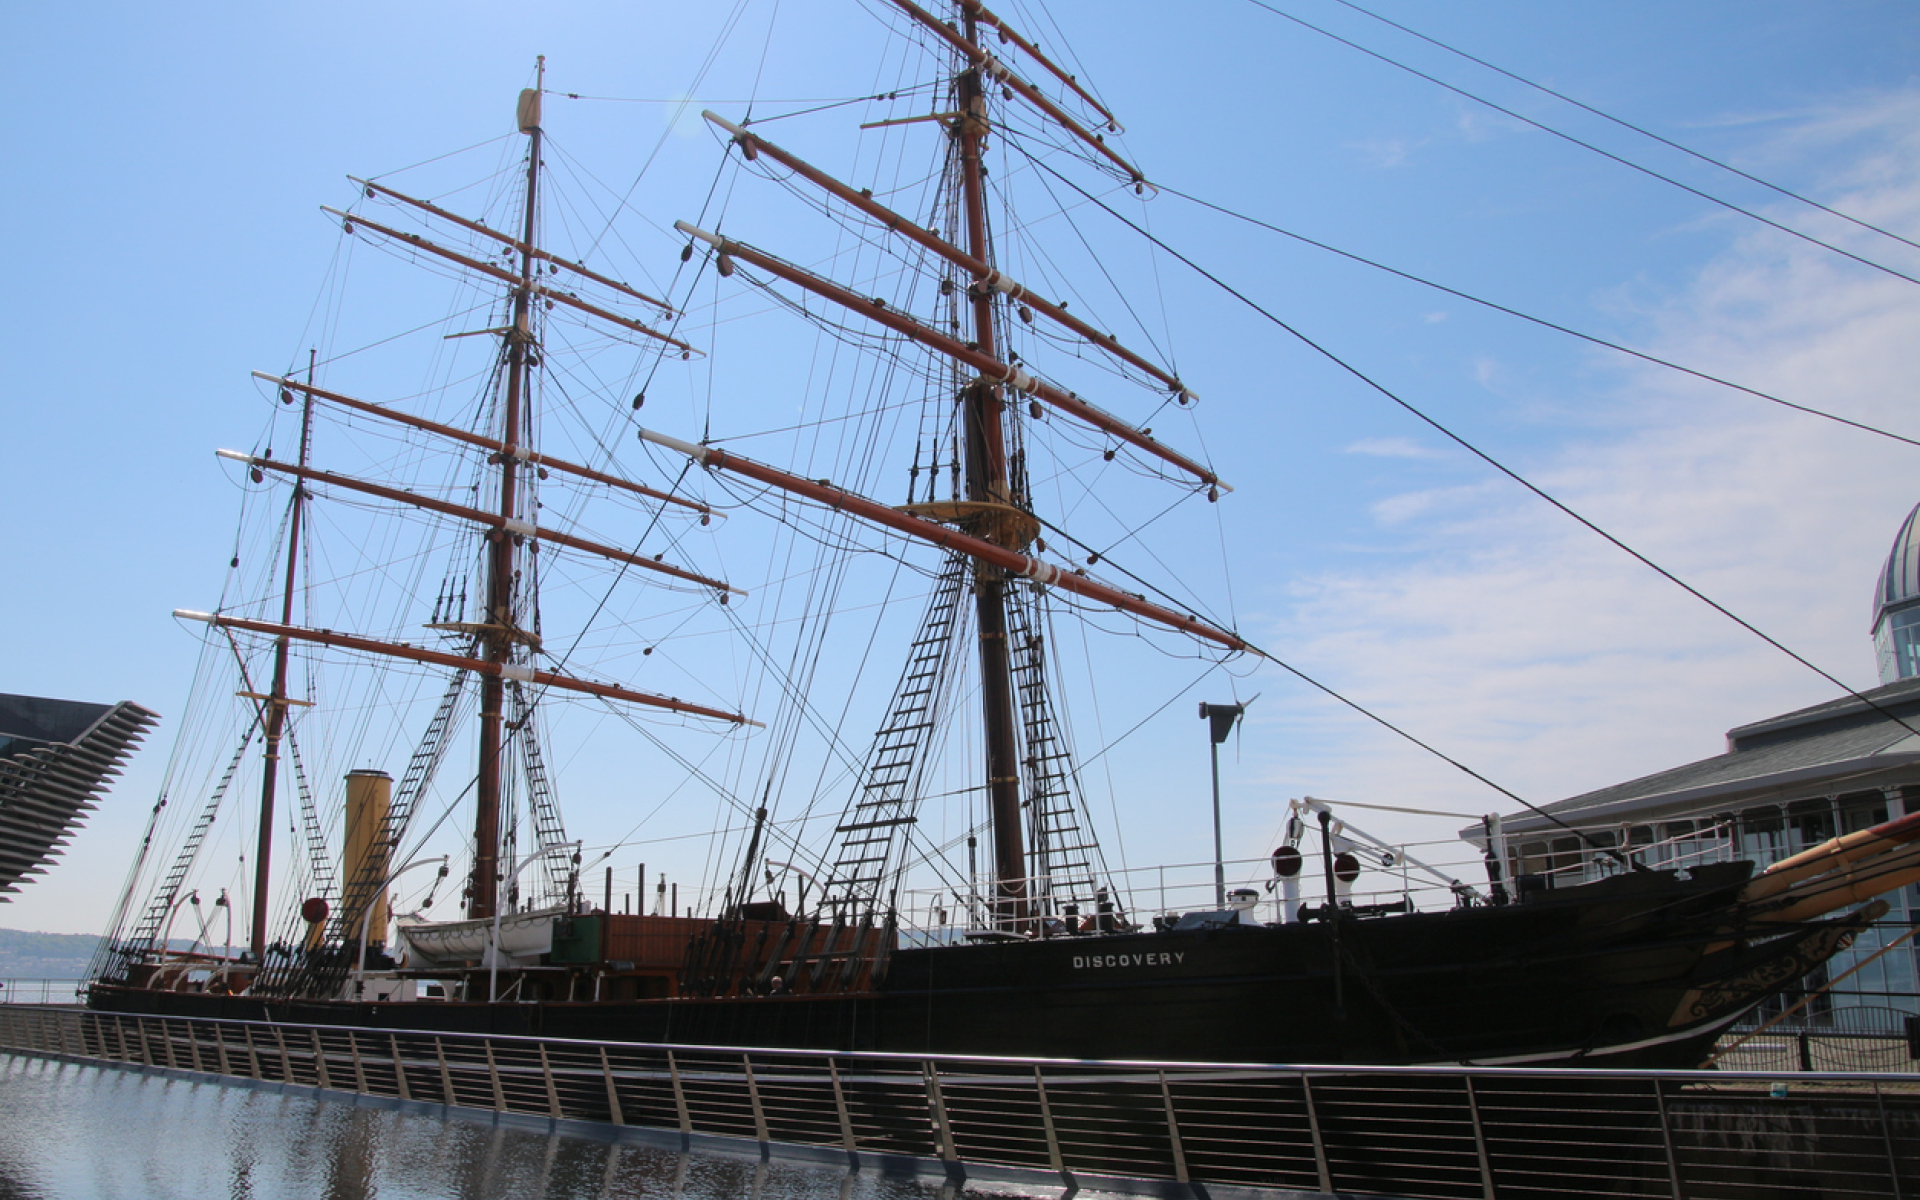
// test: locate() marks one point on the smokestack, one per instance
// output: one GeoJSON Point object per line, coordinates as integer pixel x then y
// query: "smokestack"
{"type": "Point", "coordinates": [369, 793]}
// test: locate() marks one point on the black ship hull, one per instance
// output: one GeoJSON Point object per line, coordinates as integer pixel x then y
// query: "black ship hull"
{"type": "Point", "coordinates": [1642, 970]}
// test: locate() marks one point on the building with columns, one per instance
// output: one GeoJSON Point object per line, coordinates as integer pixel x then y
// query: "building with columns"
{"type": "Point", "coordinates": [1784, 784]}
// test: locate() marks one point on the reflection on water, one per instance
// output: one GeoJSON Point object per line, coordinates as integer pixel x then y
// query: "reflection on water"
{"type": "Point", "coordinates": [70, 1132]}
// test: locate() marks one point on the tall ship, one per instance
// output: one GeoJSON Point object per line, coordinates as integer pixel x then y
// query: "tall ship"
{"type": "Point", "coordinates": [529, 529]}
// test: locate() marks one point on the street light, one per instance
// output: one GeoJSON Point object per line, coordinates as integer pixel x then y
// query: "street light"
{"type": "Point", "coordinates": [366, 917]}
{"type": "Point", "coordinates": [1222, 717]}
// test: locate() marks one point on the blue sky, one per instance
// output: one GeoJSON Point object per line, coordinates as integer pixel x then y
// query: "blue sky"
{"type": "Point", "coordinates": [166, 168]}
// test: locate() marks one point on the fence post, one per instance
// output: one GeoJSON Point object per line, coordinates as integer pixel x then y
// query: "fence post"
{"type": "Point", "coordinates": [320, 1058]}
{"type": "Point", "coordinates": [399, 1068]}
{"type": "Point", "coordinates": [286, 1059]}
{"type": "Point", "coordinates": [753, 1099]}
{"type": "Point", "coordinates": [1054, 1158]}
{"type": "Point", "coordinates": [493, 1073]}
{"type": "Point", "coordinates": [1886, 1135]}
{"type": "Point", "coordinates": [253, 1055]}
{"type": "Point", "coordinates": [446, 1075]}
{"type": "Point", "coordinates": [166, 1044]}
{"type": "Point", "coordinates": [359, 1067]}
{"type": "Point", "coordinates": [1666, 1140]}
{"type": "Point", "coordinates": [1480, 1141]}
{"type": "Point", "coordinates": [193, 1044]}
{"type": "Point", "coordinates": [846, 1117]}
{"type": "Point", "coordinates": [546, 1073]}
{"type": "Point", "coordinates": [942, 1132]}
{"type": "Point", "coordinates": [220, 1049]}
{"type": "Point", "coordinates": [1319, 1143]}
{"type": "Point", "coordinates": [613, 1093]}
{"type": "Point", "coordinates": [680, 1102]}
{"type": "Point", "coordinates": [1173, 1130]}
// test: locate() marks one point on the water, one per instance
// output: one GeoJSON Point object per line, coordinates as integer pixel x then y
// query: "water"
{"type": "Point", "coordinates": [71, 1132]}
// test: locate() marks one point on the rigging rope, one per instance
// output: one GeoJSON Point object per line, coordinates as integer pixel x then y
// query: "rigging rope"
{"type": "Point", "coordinates": [1625, 124]}
{"type": "Point", "coordinates": [1502, 469]}
{"type": "Point", "coordinates": [1567, 137]}
{"type": "Point", "coordinates": [1540, 321]}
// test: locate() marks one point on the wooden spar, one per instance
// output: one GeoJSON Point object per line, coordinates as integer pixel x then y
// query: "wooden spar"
{"type": "Point", "coordinates": [1032, 51]}
{"type": "Point", "coordinates": [1848, 885]}
{"type": "Point", "coordinates": [1832, 855]}
{"type": "Point", "coordinates": [485, 443]}
{"type": "Point", "coordinates": [507, 239]}
{"type": "Point", "coordinates": [477, 516]}
{"type": "Point", "coordinates": [989, 366]}
{"type": "Point", "coordinates": [940, 535]}
{"type": "Point", "coordinates": [986, 275]}
{"type": "Point", "coordinates": [480, 666]}
{"type": "Point", "coordinates": [994, 69]}
{"type": "Point", "coordinates": [353, 222]}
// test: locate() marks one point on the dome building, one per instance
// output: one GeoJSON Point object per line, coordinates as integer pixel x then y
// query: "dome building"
{"type": "Point", "coordinates": [1785, 784]}
{"type": "Point", "coordinates": [1896, 605]}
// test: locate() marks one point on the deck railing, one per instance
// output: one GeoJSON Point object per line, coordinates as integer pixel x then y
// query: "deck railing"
{"type": "Point", "coordinates": [1409, 1132]}
{"type": "Point", "coordinates": [42, 991]}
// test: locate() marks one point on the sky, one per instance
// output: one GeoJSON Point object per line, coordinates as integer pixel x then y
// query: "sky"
{"type": "Point", "coordinates": [166, 169]}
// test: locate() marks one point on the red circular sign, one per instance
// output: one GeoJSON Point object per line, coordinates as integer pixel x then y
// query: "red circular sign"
{"type": "Point", "coordinates": [313, 910]}
{"type": "Point", "coordinates": [1346, 868]}
{"type": "Point", "coordinates": [1286, 862]}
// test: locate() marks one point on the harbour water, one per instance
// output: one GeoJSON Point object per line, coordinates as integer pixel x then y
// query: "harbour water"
{"type": "Point", "coordinates": [73, 1132]}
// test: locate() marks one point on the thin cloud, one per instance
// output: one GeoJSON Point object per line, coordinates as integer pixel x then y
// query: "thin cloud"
{"type": "Point", "coordinates": [1529, 649]}
{"type": "Point", "coordinates": [1393, 448]}
{"type": "Point", "coordinates": [1388, 153]}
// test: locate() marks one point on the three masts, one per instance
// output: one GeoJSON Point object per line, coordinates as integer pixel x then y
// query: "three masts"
{"type": "Point", "coordinates": [988, 530]}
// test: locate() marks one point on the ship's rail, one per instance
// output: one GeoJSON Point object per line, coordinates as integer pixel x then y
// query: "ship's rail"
{"type": "Point", "coordinates": [42, 991]}
{"type": "Point", "coordinates": [1162, 1128]}
{"type": "Point", "coordinates": [941, 915]}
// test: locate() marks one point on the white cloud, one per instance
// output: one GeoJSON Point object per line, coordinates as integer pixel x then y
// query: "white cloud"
{"type": "Point", "coordinates": [1526, 647]}
{"type": "Point", "coordinates": [1393, 448]}
{"type": "Point", "coordinates": [1390, 152]}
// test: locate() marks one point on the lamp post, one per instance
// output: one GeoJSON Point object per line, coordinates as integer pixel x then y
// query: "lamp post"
{"type": "Point", "coordinates": [366, 917]}
{"type": "Point", "coordinates": [1221, 718]}
{"type": "Point", "coordinates": [493, 947]}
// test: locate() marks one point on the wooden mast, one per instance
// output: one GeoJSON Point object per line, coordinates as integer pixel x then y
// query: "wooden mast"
{"type": "Point", "coordinates": [276, 703]}
{"type": "Point", "coordinates": [987, 482]}
{"type": "Point", "coordinates": [499, 635]}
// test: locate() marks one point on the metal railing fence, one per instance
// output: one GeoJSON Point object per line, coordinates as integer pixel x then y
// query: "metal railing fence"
{"type": "Point", "coordinates": [42, 991]}
{"type": "Point", "coordinates": [1406, 1132]}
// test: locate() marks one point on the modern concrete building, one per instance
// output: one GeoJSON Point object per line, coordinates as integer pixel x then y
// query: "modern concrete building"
{"type": "Point", "coordinates": [56, 756]}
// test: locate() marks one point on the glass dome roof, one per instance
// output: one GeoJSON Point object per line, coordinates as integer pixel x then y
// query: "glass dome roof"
{"type": "Point", "coordinates": [1896, 605]}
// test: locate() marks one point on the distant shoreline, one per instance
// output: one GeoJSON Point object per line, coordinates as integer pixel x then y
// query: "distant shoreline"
{"type": "Point", "coordinates": [26, 954]}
